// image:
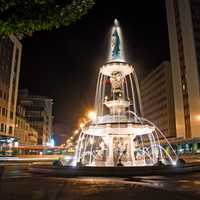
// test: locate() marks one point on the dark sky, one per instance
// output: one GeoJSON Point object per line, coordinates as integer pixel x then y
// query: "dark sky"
{"type": "Point", "coordinates": [63, 64]}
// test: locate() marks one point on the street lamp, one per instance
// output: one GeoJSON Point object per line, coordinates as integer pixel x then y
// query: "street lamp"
{"type": "Point", "coordinates": [76, 132]}
{"type": "Point", "coordinates": [91, 115]}
{"type": "Point", "coordinates": [82, 125]}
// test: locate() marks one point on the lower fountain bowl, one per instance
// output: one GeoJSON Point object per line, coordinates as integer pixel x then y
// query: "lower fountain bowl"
{"type": "Point", "coordinates": [69, 171]}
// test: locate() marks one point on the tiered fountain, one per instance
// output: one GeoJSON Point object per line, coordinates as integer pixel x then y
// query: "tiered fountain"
{"type": "Point", "coordinates": [119, 135]}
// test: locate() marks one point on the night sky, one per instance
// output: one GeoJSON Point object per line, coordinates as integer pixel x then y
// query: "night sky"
{"type": "Point", "coordinates": [63, 64]}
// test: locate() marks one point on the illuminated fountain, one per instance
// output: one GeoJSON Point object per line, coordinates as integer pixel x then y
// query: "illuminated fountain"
{"type": "Point", "coordinates": [118, 135]}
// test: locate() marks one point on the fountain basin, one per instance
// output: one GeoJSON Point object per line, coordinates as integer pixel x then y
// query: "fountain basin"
{"type": "Point", "coordinates": [69, 171]}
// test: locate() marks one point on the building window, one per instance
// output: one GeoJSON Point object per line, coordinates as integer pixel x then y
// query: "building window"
{"type": "Point", "coordinates": [3, 111]}
{"type": "Point", "coordinates": [11, 115]}
{"type": "Point", "coordinates": [4, 96]}
{"type": "Point", "coordinates": [10, 130]}
{"type": "Point", "coordinates": [2, 127]}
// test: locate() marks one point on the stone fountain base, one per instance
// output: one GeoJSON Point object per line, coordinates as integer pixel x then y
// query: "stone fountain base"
{"type": "Point", "coordinates": [69, 171]}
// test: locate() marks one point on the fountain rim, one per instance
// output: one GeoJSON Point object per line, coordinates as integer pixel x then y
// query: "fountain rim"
{"type": "Point", "coordinates": [123, 67]}
{"type": "Point", "coordinates": [118, 125]}
{"type": "Point", "coordinates": [117, 61]}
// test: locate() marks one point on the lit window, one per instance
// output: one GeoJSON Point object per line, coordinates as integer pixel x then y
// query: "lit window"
{"type": "Point", "coordinates": [183, 86]}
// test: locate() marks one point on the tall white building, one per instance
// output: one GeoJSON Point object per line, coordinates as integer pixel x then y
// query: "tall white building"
{"type": "Point", "coordinates": [183, 18]}
{"type": "Point", "coordinates": [158, 100]}
{"type": "Point", "coordinates": [10, 59]}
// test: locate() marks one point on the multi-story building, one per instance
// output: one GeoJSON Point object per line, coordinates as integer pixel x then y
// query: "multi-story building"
{"type": "Point", "coordinates": [183, 18]}
{"type": "Point", "coordinates": [32, 136]}
{"type": "Point", "coordinates": [25, 134]}
{"type": "Point", "coordinates": [157, 99]}
{"type": "Point", "coordinates": [10, 59]}
{"type": "Point", "coordinates": [39, 114]}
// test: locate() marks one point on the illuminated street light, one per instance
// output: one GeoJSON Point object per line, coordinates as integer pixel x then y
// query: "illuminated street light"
{"type": "Point", "coordinates": [76, 132]}
{"type": "Point", "coordinates": [82, 125]}
{"type": "Point", "coordinates": [91, 115]}
{"type": "Point", "coordinates": [198, 117]}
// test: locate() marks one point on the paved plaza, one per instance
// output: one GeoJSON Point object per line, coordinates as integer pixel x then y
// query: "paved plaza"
{"type": "Point", "coordinates": [18, 183]}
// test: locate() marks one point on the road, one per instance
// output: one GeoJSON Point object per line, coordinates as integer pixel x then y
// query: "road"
{"type": "Point", "coordinates": [18, 183]}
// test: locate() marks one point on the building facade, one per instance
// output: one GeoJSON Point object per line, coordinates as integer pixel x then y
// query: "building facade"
{"type": "Point", "coordinates": [10, 59]}
{"type": "Point", "coordinates": [39, 114]}
{"type": "Point", "coordinates": [157, 99]}
{"type": "Point", "coordinates": [183, 18]}
{"type": "Point", "coordinates": [25, 134]}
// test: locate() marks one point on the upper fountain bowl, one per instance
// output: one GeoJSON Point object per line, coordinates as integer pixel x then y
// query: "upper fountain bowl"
{"type": "Point", "coordinates": [122, 67]}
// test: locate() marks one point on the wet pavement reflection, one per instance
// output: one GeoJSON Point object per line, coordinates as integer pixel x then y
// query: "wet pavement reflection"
{"type": "Point", "coordinates": [18, 183]}
{"type": "Point", "coordinates": [190, 182]}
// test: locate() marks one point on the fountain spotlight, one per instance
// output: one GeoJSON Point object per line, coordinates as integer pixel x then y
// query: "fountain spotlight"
{"type": "Point", "coordinates": [116, 22]}
{"type": "Point", "coordinates": [174, 163]}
